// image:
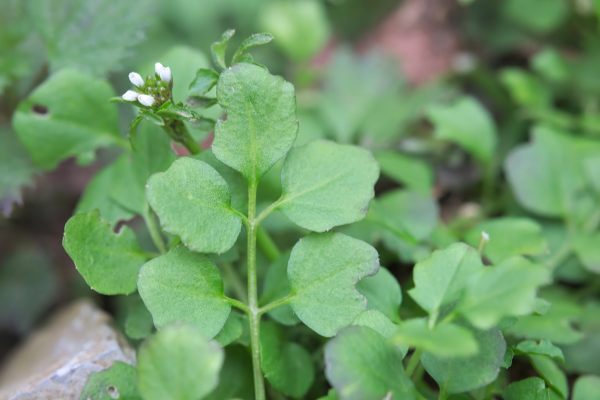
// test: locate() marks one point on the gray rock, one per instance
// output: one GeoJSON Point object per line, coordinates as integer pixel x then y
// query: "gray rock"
{"type": "Point", "coordinates": [55, 362]}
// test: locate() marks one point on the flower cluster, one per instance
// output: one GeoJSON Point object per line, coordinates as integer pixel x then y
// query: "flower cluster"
{"type": "Point", "coordinates": [154, 91]}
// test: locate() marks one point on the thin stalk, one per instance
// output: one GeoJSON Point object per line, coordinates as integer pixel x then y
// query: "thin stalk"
{"type": "Point", "coordinates": [254, 315]}
{"type": "Point", "coordinates": [267, 245]}
{"type": "Point", "coordinates": [153, 229]}
{"type": "Point", "coordinates": [238, 304]}
{"type": "Point", "coordinates": [236, 284]}
{"type": "Point", "coordinates": [414, 361]}
{"type": "Point", "coordinates": [443, 394]}
{"type": "Point", "coordinates": [273, 304]}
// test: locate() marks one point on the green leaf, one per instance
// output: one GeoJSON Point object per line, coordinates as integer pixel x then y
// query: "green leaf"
{"type": "Point", "coordinates": [586, 249]}
{"type": "Point", "coordinates": [554, 377]}
{"type": "Point", "coordinates": [542, 306]}
{"type": "Point", "coordinates": [331, 395]}
{"type": "Point", "coordinates": [323, 270]}
{"type": "Point", "coordinates": [139, 323]}
{"type": "Point", "coordinates": [132, 131]}
{"type": "Point", "coordinates": [509, 236]}
{"type": "Point", "coordinates": [116, 382]}
{"type": "Point", "coordinates": [381, 324]}
{"type": "Point", "coordinates": [108, 262]}
{"type": "Point", "coordinates": [261, 120]}
{"type": "Point", "coordinates": [16, 170]}
{"type": "Point", "coordinates": [183, 286]}
{"type": "Point", "coordinates": [468, 124]}
{"type": "Point", "coordinates": [527, 389]}
{"type": "Point", "coordinates": [200, 102]}
{"type": "Point", "coordinates": [508, 289]}
{"type": "Point", "coordinates": [232, 330]}
{"type": "Point", "coordinates": [327, 184]}
{"type": "Point", "coordinates": [236, 379]}
{"type": "Point", "coordinates": [69, 114]}
{"type": "Point", "coordinates": [410, 216]}
{"type": "Point", "coordinates": [178, 364]}
{"type": "Point", "coordinates": [445, 340]}
{"type": "Point", "coordinates": [587, 388]}
{"type": "Point", "coordinates": [525, 88]}
{"type": "Point", "coordinates": [287, 366]}
{"type": "Point", "coordinates": [461, 374]}
{"type": "Point", "coordinates": [217, 49]}
{"type": "Point", "coordinates": [412, 172]}
{"type": "Point", "coordinates": [178, 112]}
{"type": "Point", "coordinates": [192, 201]}
{"type": "Point", "coordinates": [276, 286]}
{"type": "Point", "coordinates": [255, 40]}
{"type": "Point", "coordinates": [543, 348]}
{"type": "Point", "coordinates": [551, 327]}
{"type": "Point", "coordinates": [150, 116]}
{"type": "Point", "coordinates": [383, 293]}
{"type": "Point", "coordinates": [204, 81]}
{"type": "Point", "coordinates": [441, 279]}
{"type": "Point", "coordinates": [508, 358]}
{"type": "Point", "coordinates": [362, 365]}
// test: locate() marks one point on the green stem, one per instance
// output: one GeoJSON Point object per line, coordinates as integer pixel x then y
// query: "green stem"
{"type": "Point", "coordinates": [414, 361]}
{"type": "Point", "coordinates": [254, 315]}
{"type": "Point", "coordinates": [443, 394]}
{"type": "Point", "coordinates": [190, 143]}
{"type": "Point", "coordinates": [267, 245]}
{"type": "Point", "coordinates": [236, 283]}
{"type": "Point", "coordinates": [180, 134]}
{"type": "Point", "coordinates": [153, 229]}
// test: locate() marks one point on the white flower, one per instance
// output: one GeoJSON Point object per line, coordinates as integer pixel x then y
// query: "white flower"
{"type": "Point", "coordinates": [130, 95]}
{"type": "Point", "coordinates": [136, 79]}
{"type": "Point", "coordinates": [157, 68]}
{"type": "Point", "coordinates": [163, 72]}
{"type": "Point", "coordinates": [146, 100]}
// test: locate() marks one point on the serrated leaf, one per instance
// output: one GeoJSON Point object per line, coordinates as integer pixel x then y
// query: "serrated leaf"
{"type": "Point", "coordinates": [276, 286]}
{"type": "Point", "coordinates": [552, 374]}
{"type": "Point", "coordinates": [445, 340]}
{"type": "Point", "coordinates": [415, 173]}
{"type": "Point", "coordinates": [461, 374]}
{"type": "Point", "coordinates": [117, 382]}
{"type": "Point", "coordinates": [323, 270]}
{"type": "Point", "coordinates": [261, 121]}
{"type": "Point", "coordinates": [543, 348]}
{"type": "Point", "coordinates": [108, 262]}
{"type": "Point", "coordinates": [182, 286]}
{"type": "Point", "coordinates": [587, 388]}
{"type": "Point", "coordinates": [327, 184]}
{"type": "Point", "coordinates": [287, 366]}
{"type": "Point", "coordinates": [508, 289]}
{"type": "Point", "coordinates": [192, 201]}
{"type": "Point", "coordinates": [217, 49]}
{"type": "Point", "coordinates": [139, 323]}
{"type": "Point", "coordinates": [467, 123]}
{"type": "Point", "coordinates": [16, 170]}
{"type": "Point", "coordinates": [254, 40]}
{"type": "Point", "coordinates": [441, 279]}
{"type": "Point", "coordinates": [362, 365]}
{"type": "Point", "coordinates": [232, 330]}
{"type": "Point", "coordinates": [383, 293]}
{"type": "Point", "coordinates": [204, 81]}
{"type": "Point", "coordinates": [178, 363]}
{"type": "Point", "coordinates": [527, 389]}
{"type": "Point", "coordinates": [70, 115]}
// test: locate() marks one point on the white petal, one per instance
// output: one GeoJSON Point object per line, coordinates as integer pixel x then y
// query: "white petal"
{"type": "Point", "coordinates": [158, 67]}
{"type": "Point", "coordinates": [165, 74]}
{"type": "Point", "coordinates": [130, 95]}
{"type": "Point", "coordinates": [146, 100]}
{"type": "Point", "coordinates": [136, 79]}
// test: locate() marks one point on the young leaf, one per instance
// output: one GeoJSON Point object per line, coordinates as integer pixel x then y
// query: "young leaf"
{"type": "Point", "coordinates": [261, 120]}
{"type": "Point", "coordinates": [362, 365]}
{"type": "Point", "coordinates": [587, 388]}
{"type": "Point", "coordinates": [383, 293]}
{"type": "Point", "coordinates": [323, 271]}
{"type": "Point", "coordinates": [254, 40]}
{"type": "Point", "coordinates": [70, 115]}
{"type": "Point", "coordinates": [108, 262]}
{"type": "Point", "coordinates": [552, 374]}
{"type": "Point", "coordinates": [192, 201]}
{"type": "Point", "coordinates": [204, 81]}
{"type": "Point", "coordinates": [509, 237]}
{"type": "Point", "coordinates": [287, 366]}
{"type": "Point", "coordinates": [467, 123]}
{"type": "Point", "coordinates": [444, 340]}
{"type": "Point", "coordinates": [527, 389]}
{"type": "Point", "coordinates": [178, 112]}
{"type": "Point", "coordinates": [277, 286]}
{"type": "Point", "coordinates": [139, 323]}
{"type": "Point", "coordinates": [178, 363]}
{"type": "Point", "coordinates": [232, 330]}
{"type": "Point", "coordinates": [217, 49]}
{"type": "Point", "coordinates": [508, 357]}
{"type": "Point", "coordinates": [154, 118]}
{"type": "Point", "coordinates": [441, 278]}
{"type": "Point", "coordinates": [327, 184]}
{"type": "Point", "coordinates": [416, 174]}
{"type": "Point", "coordinates": [117, 382]}
{"type": "Point", "coordinates": [543, 348]}
{"type": "Point", "coordinates": [183, 286]}
{"type": "Point", "coordinates": [461, 374]}
{"type": "Point", "coordinates": [508, 289]}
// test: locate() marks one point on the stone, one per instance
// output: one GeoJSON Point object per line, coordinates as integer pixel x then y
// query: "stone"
{"type": "Point", "coordinates": [56, 361]}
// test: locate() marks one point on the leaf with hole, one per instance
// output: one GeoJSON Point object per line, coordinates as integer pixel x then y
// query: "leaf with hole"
{"type": "Point", "coordinates": [117, 382]}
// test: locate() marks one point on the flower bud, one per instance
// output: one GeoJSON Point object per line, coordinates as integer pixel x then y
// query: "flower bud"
{"type": "Point", "coordinates": [136, 79]}
{"type": "Point", "coordinates": [163, 72]}
{"type": "Point", "coordinates": [157, 68]}
{"type": "Point", "coordinates": [146, 100]}
{"type": "Point", "coordinates": [150, 82]}
{"type": "Point", "coordinates": [130, 95]}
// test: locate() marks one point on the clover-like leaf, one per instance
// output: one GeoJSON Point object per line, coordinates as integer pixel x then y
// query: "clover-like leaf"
{"type": "Point", "coordinates": [463, 373]}
{"type": "Point", "coordinates": [183, 286]}
{"type": "Point", "coordinates": [528, 389]}
{"type": "Point", "coordinates": [217, 49]}
{"type": "Point", "coordinates": [204, 81]}
{"type": "Point", "coordinates": [261, 121]}
{"type": "Point", "coordinates": [543, 348]}
{"type": "Point", "coordinates": [192, 201]}
{"type": "Point", "coordinates": [327, 184]}
{"type": "Point", "coordinates": [362, 365]}
{"type": "Point", "coordinates": [323, 270]}
{"type": "Point", "coordinates": [178, 363]}
{"type": "Point", "coordinates": [383, 293]}
{"type": "Point", "coordinates": [116, 382]}
{"type": "Point", "coordinates": [287, 366]}
{"type": "Point", "coordinates": [108, 262]}
{"type": "Point", "coordinates": [441, 278]}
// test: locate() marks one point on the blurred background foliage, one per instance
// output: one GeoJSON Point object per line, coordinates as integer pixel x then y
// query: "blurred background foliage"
{"type": "Point", "coordinates": [483, 114]}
